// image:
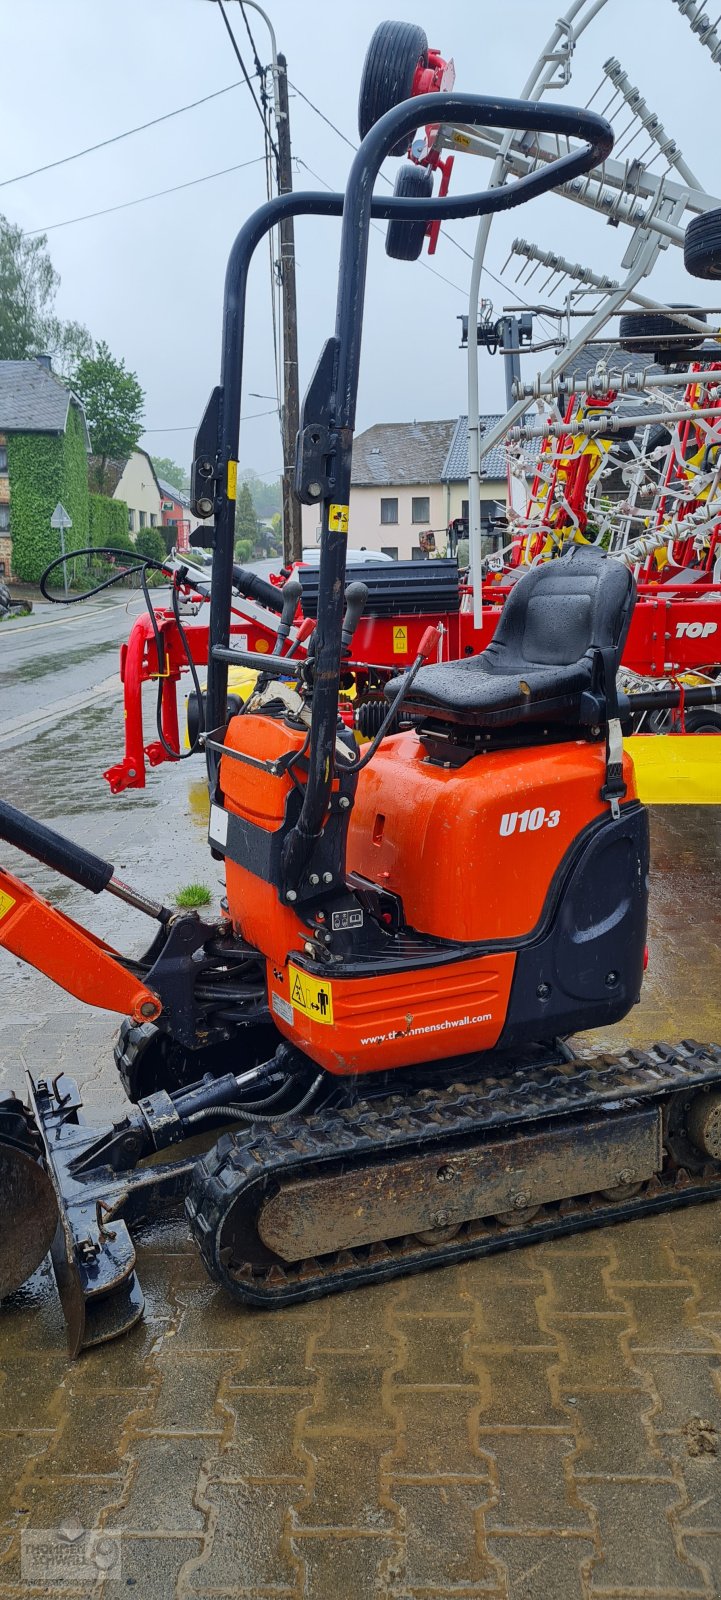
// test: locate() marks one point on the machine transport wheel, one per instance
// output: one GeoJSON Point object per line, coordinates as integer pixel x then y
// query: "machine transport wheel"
{"type": "Point", "coordinates": [232, 707]}
{"type": "Point", "coordinates": [394, 54]}
{"type": "Point", "coordinates": [703, 720]}
{"type": "Point", "coordinates": [404, 240]}
{"type": "Point", "coordinates": [27, 1197]}
{"type": "Point", "coordinates": [702, 245]}
{"type": "Point", "coordinates": [636, 331]}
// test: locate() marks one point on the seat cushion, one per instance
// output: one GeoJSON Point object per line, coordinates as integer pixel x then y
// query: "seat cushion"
{"type": "Point", "coordinates": [467, 691]}
{"type": "Point", "coordinates": [543, 661]}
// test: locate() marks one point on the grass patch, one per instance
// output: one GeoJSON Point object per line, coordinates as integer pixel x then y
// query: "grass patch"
{"type": "Point", "coordinates": [194, 894]}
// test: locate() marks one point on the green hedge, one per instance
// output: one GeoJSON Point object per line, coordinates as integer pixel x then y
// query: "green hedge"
{"type": "Point", "coordinates": [108, 521]}
{"type": "Point", "coordinates": [43, 469]}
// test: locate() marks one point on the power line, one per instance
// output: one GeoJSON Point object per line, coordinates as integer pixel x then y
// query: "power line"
{"type": "Point", "coordinates": [246, 75]}
{"type": "Point", "coordinates": [378, 229]}
{"type": "Point", "coordinates": [89, 215]}
{"type": "Point", "coordinates": [327, 120]}
{"type": "Point", "coordinates": [444, 232]}
{"type": "Point", "coordinates": [193, 426]}
{"type": "Point", "coordinates": [103, 143]}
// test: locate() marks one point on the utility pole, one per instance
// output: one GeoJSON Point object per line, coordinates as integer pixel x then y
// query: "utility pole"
{"type": "Point", "coordinates": [292, 528]}
{"type": "Point", "coordinates": [290, 411]}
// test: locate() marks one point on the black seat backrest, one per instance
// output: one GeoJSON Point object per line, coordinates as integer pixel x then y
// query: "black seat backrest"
{"type": "Point", "coordinates": [561, 609]}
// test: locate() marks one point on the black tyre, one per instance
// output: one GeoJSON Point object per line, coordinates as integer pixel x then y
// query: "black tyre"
{"type": "Point", "coordinates": [404, 240]}
{"type": "Point", "coordinates": [702, 246]}
{"type": "Point", "coordinates": [703, 720]}
{"type": "Point", "coordinates": [637, 329]}
{"type": "Point", "coordinates": [394, 53]}
{"type": "Point", "coordinates": [5, 600]}
{"type": "Point", "coordinates": [232, 707]}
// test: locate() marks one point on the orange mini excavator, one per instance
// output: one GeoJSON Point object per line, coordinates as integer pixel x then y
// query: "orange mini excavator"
{"type": "Point", "coordinates": [412, 930]}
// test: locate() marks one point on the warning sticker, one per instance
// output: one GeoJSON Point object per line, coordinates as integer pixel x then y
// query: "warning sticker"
{"type": "Point", "coordinates": [461, 139]}
{"type": "Point", "coordinates": [312, 996]}
{"type": "Point", "coordinates": [6, 903]}
{"type": "Point", "coordinates": [282, 1008]}
{"type": "Point", "coordinates": [338, 518]}
{"type": "Point", "coordinates": [232, 480]}
{"type": "Point", "coordinates": [400, 641]}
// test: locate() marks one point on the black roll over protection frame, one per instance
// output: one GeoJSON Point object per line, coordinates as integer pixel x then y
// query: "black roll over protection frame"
{"type": "Point", "coordinates": [323, 462]}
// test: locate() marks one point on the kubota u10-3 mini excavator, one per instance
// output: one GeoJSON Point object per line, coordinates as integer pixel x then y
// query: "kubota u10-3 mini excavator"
{"type": "Point", "coordinates": [411, 932]}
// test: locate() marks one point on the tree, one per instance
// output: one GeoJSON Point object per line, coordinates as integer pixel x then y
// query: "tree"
{"type": "Point", "coordinates": [171, 472]}
{"type": "Point", "coordinates": [246, 521]}
{"type": "Point", "coordinates": [68, 343]}
{"type": "Point", "coordinates": [28, 286]}
{"type": "Point", "coordinates": [266, 497]}
{"type": "Point", "coordinates": [243, 550]}
{"type": "Point", "coordinates": [149, 542]}
{"type": "Point", "coordinates": [114, 404]}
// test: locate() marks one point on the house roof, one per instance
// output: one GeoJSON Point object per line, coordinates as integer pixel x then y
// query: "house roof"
{"type": "Point", "coordinates": [33, 399]}
{"type": "Point", "coordinates": [455, 466]}
{"type": "Point", "coordinates": [401, 452]}
{"type": "Point", "coordinates": [114, 469]}
{"type": "Point", "coordinates": [171, 493]}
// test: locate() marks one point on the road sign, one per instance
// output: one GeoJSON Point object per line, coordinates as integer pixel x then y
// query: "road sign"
{"type": "Point", "coordinates": [60, 518]}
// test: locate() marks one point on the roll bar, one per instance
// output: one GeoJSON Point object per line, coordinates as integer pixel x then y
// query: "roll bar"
{"type": "Point", "coordinates": [328, 418]}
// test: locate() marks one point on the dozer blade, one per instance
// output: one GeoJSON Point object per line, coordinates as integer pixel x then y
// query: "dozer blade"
{"type": "Point", "coordinates": [94, 1259]}
{"type": "Point", "coordinates": [29, 1213]}
{"type": "Point", "coordinates": [92, 1251]}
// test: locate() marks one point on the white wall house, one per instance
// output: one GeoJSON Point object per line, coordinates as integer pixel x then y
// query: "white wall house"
{"type": "Point", "coordinates": [138, 486]}
{"type": "Point", "coordinates": [409, 479]}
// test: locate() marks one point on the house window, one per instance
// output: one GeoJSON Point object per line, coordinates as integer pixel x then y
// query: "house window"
{"type": "Point", "coordinates": [390, 550]}
{"type": "Point", "coordinates": [389, 510]}
{"type": "Point", "coordinates": [131, 521]}
{"type": "Point", "coordinates": [3, 458]}
{"type": "Point", "coordinates": [420, 508]}
{"type": "Point", "coordinates": [153, 520]}
{"type": "Point", "coordinates": [4, 519]}
{"type": "Point", "coordinates": [417, 554]}
{"type": "Point", "coordinates": [143, 519]}
{"type": "Point", "coordinates": [464, 510]}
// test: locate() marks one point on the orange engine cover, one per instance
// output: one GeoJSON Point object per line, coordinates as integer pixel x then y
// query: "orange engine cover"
{"type": "Point", "coordinates": [472, 853]}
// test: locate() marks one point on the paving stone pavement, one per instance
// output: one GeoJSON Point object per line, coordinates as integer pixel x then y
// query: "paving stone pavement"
{"type": "Point", "coordinates": [540, 1426]}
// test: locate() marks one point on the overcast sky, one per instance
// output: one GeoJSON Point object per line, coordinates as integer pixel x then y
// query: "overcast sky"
{"type": "Point", "coordinates": [148, 279]}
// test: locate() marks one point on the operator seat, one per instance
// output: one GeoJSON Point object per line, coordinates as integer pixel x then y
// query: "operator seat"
{"type": "Point", "coordinates": [557, 645]}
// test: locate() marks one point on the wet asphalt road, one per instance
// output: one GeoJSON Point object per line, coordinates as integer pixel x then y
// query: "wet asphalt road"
{"type": "Point", "coordinates": [61, 726]}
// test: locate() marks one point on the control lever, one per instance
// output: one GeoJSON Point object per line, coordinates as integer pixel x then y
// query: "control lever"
{"type": "Point", "coordinates": [291, 593]}
{"type": "Point", "coordinates": [356, 596]}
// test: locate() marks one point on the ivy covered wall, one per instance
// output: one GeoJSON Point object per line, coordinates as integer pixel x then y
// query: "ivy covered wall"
{"type": "Point", "coordinates": [44, 468]}
{"type": "Point", "coordinates": [108, 522]}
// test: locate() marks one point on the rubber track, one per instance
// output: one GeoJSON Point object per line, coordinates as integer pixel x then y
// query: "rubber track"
{"type": "Point", "coordinates": [242, 1165]}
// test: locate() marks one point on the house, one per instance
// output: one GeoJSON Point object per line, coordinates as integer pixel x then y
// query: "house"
{"type": "Point", "coordinates": [44, 446]}
{"type": "Point", "coordinates": [176, 513]}
{"type": "Point", "coordinates": [133, 480]}
{"type": "Point", "coordinates": [410, 479]}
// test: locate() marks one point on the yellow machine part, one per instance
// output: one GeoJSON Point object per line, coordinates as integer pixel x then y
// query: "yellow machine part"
{"type": "Point", "coordinates": [677, 769]}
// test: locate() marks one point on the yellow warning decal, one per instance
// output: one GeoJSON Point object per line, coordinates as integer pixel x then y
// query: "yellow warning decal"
{"type": "Point", "coordinates": [338, 518]}
{"type": "Point", "coordinates": [462, 139]}
{"type": "Point", "coordinates": [232, 480]}
{"type": "Point", "coordinates": [312, 996]}
{"type": "Point", "coordinates": [6, 903]}
{"type": "Point", "coordinates": [400, 641]}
